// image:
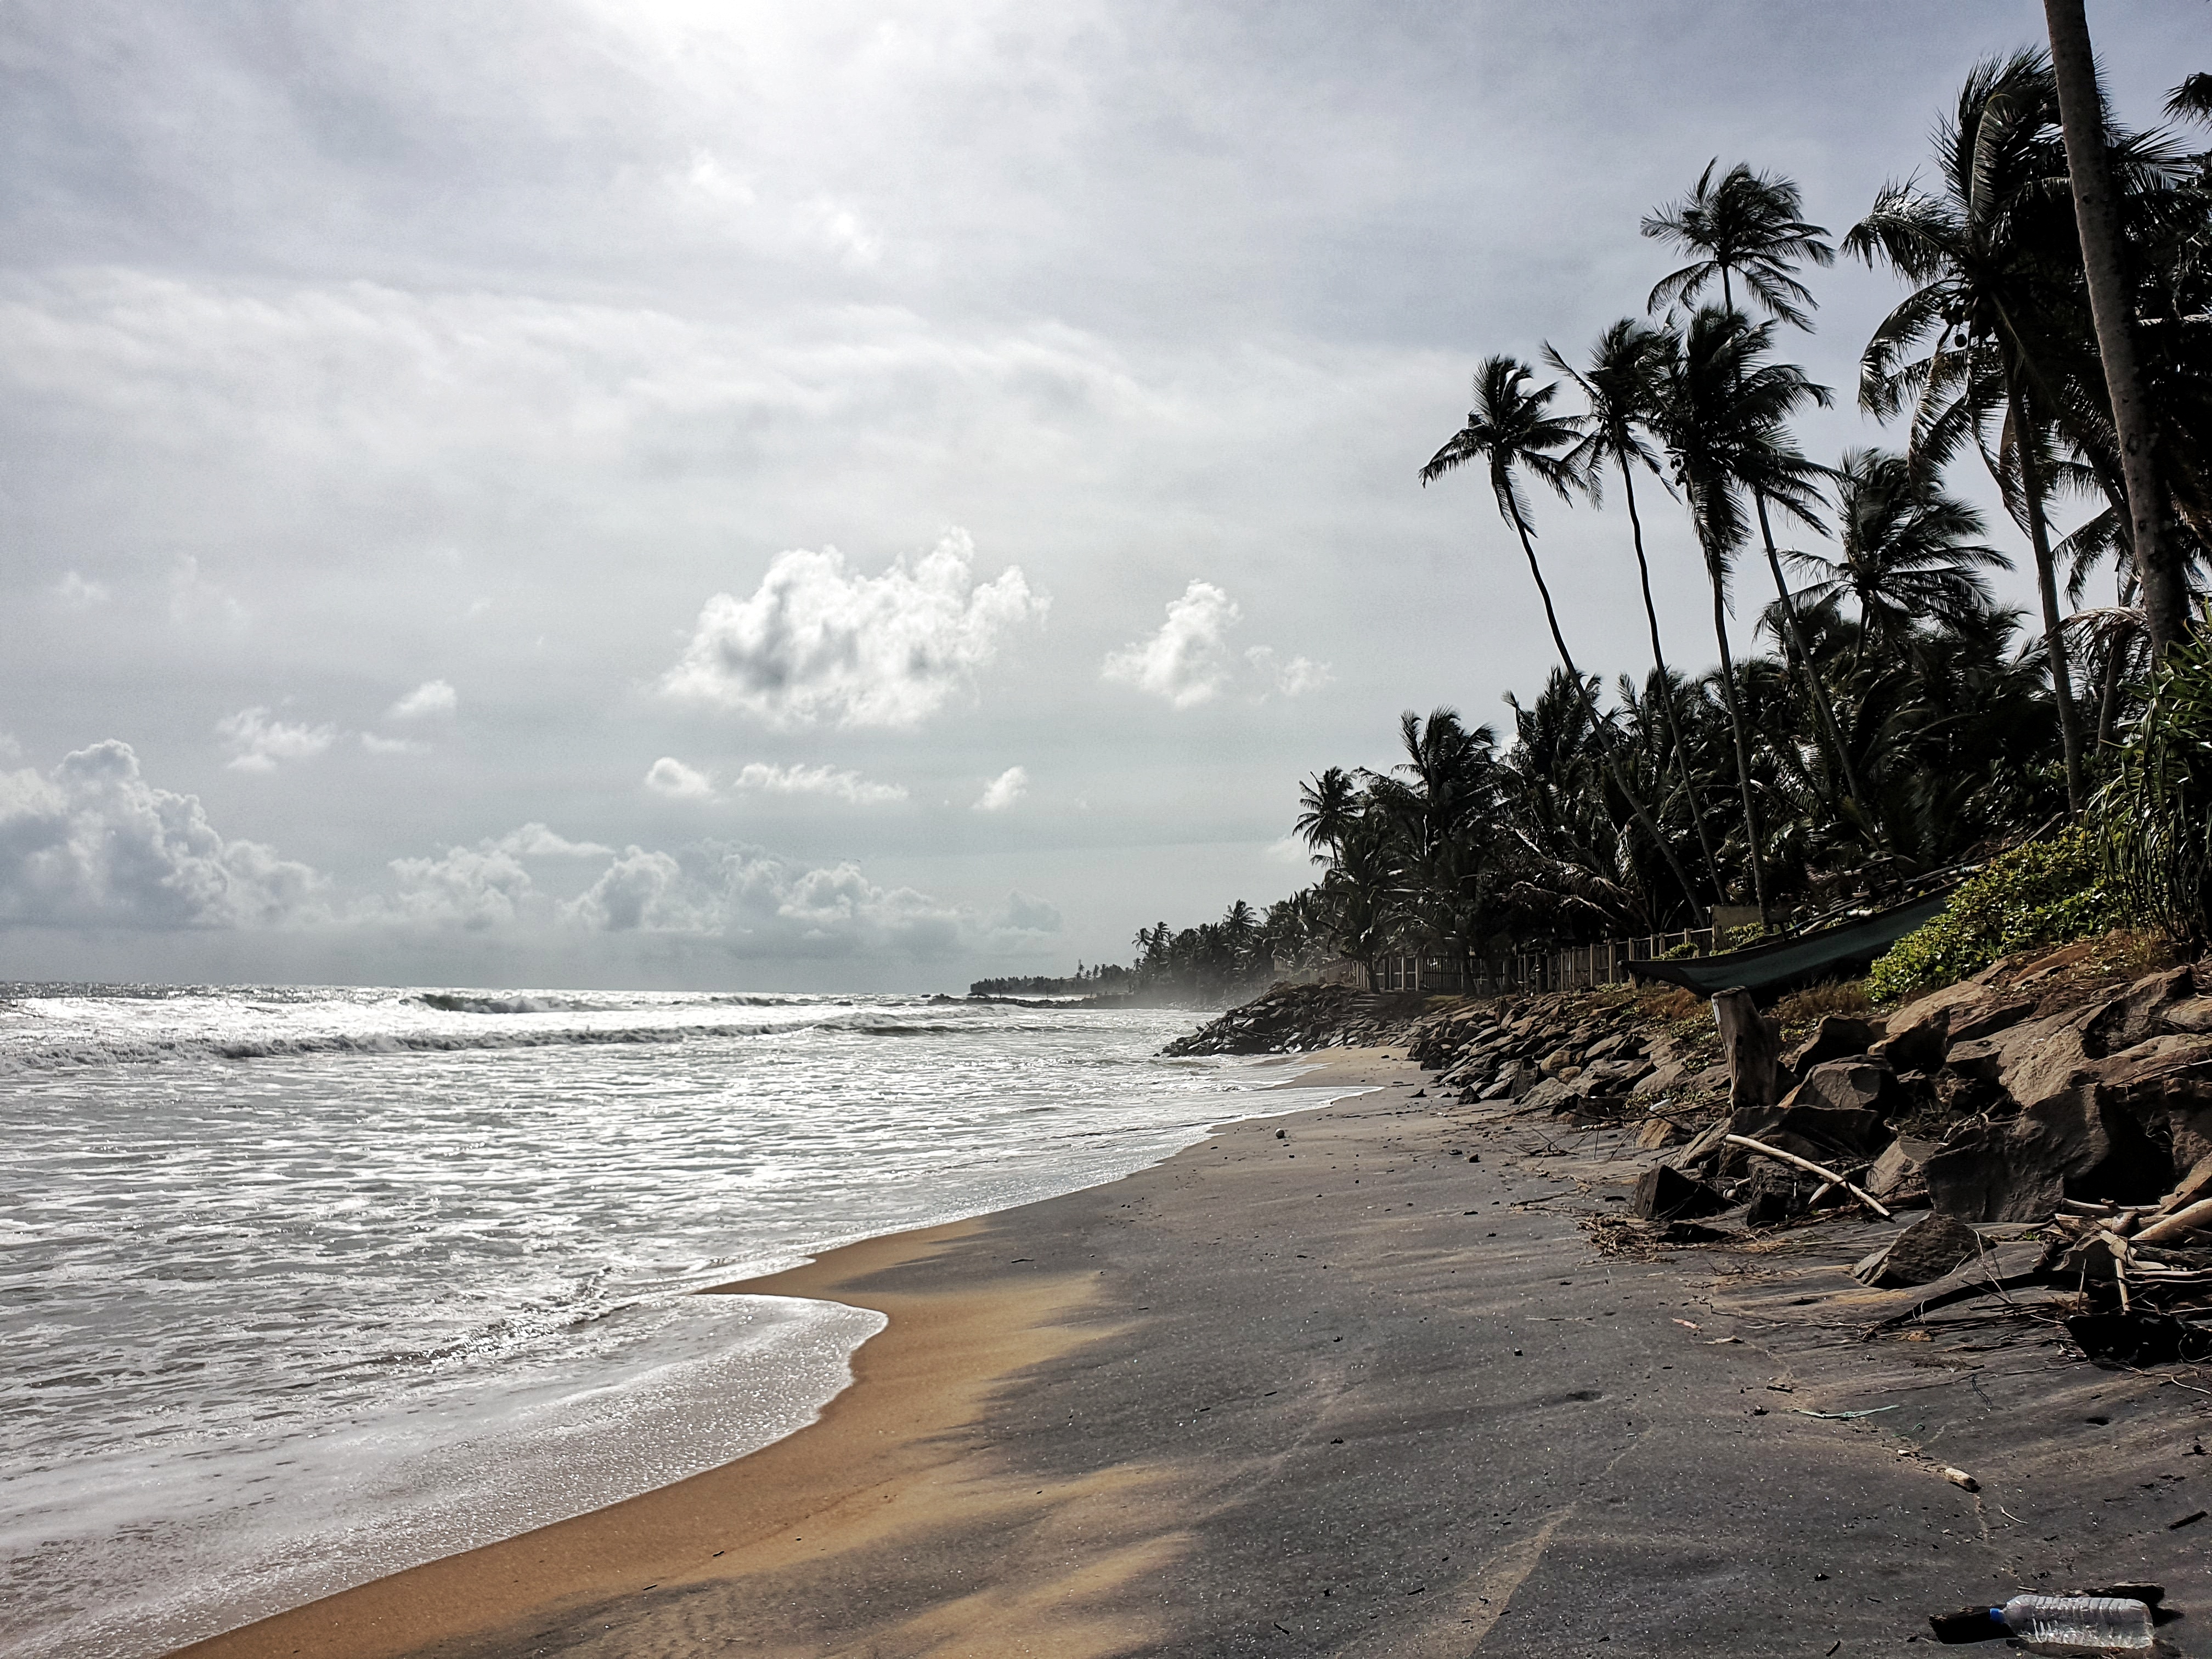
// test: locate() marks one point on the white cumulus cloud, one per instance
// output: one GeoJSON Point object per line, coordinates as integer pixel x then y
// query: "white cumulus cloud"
{"type": "Point", "coordinates": [380, 745]}
{"type": "Point", "coordinates": [1190, 661]}
{"type": "Point", "coordinates": [429, 698]}
{"type": "Point", "coordinates": [485, 886]}
{"type": "Point", "coordinates": [260, 743]}
{"type": "Point", "coordinates": [816, 642]}
{"type": "Point", "coordinates": [76, 592]}
{"type": "Point", "coordinates": [761, 778]}
{"type": "Point", "coordinates": [672, 777]}
{"type": "Point", "coordinates": [1003, 790]}
{"type": "Point", "coordinates": [93, 844]}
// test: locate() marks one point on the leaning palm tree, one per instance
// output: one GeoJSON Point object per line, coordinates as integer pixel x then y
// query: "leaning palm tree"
{"type": "Point", "coordinates": [1511, 430]}
{"type": "Point", "coordinates": [1749, 227]}
{"type": "Point", "coordinates": [1621, 390]}
{"type": "Point", "coordinates": [1970, 352]}
{"type": "Point", "coordinates": [1910, 553]}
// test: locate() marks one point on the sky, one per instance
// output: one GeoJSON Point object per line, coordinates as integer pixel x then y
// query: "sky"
{"type": "Point", "coordinates": [667, 493]}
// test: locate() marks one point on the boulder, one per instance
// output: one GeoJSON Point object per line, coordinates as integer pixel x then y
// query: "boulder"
{"type": "Point", "coordinates": [1552, 1096]}
{"type": "Point", "coordinates": [2138, 1016]}
{"type": "Point", "coordinates": [1661, 1079]}
{"type": "Point", "coordinates": [1896, 1178]}
{"type": "Point", "coordinates": [1659, 1132]}
{"type": "Point", "coordinates": [1774, 1192]}
{"type": "Point", "coordinates": [2077, 1144]}
{"type": "Point", "coordinates": [1665, 1195]}
{"type": "Point", "coordinates": [1841, 1131]}
{"type": "Point", "coordinates": [1559, 1060]}
{"type": "Point", "coordinates": [1611, 1077]}
{"type": "Point", "coordinates": [1838, 1036]}
{"type": "Point", "coordinates": [1931, 1247]}
{"type": "Point", "coordinates": [1918, 1031]}
{"type": "Point", "coordinates": [1857, 1085]}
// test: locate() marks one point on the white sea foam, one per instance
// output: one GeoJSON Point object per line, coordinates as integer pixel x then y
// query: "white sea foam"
{"type": "Point", "coordinates": [298, 1287]}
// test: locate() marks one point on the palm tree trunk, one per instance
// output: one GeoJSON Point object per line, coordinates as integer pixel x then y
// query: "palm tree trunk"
{"type": "Point", "coordinates": [2082, 116]}
{"type": "Point", "coordinates": [1667, 685]}
{"type": "Point", "coordinates": [1824, 711]}
{"type": "Point", "coordinates": [1742, 744]}
{"type": "Point", "coordinates": [2108, 691]}
{"type": "Point", "coordinates": [2046, 583]}
{"type": "Point", "coordinates": [1597, 724]}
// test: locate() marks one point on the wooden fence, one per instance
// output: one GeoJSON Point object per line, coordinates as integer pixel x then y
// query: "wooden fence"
{"type": "Point", "coordinates": [1575, 968]}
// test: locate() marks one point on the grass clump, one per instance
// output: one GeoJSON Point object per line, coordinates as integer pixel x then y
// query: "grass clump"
{"type": "Point", "coordinates": [2048, 892]}
{"type": "Point", "coordinates": [1814, 1003]}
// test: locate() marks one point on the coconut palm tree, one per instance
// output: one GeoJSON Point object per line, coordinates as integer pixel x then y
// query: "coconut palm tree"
{"type": "Point", "coordinates": [1511, 430]}
{"type": "Point", "coordinates": [1328, 805]}
{"type": "Point", "coordinates": [2097, 222]}
{"type": "Point", "coordinates": [1744, 226]}
{"type": "Point", "coordinates": [1750, 227]}
{"type": "Point", "coordinates": [1972, 347]}
{"type": "Point", "coordinates": [1620, 392]}
{"type": "Point", "coordinates": [1909, 552]}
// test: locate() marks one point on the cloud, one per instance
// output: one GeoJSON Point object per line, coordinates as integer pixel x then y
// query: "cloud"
{"type": "Point", "coordinates": [377, 745]}
{"type": "Point", "coordinates": [1023, 914]}
{"type": "Point", "coordinates": [480, 887]}
{"type": "Point", "coordinates": [1003, 790]}
{"type": "Point", "coordinates": [1188, 661]}
{"type": "Point", "coordinates": [193, 600]}
{"type": "Point", "coordinates": [431, 697]}
{"type": "Point", "coordinates": [815, 642]}
{"type": "Point", "coordinates": [93, 844]}
{"type": "Point", "coordinates": [760, 777]}
{"type": "Point", "coordinates": [259, 744]}
{"type": "Point", "coordinates": [74, 592]}
{"type": "Point", "coordinates": [673, 778]}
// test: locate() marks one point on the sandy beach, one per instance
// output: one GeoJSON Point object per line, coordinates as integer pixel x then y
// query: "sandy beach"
{"type": "Point", "coordinates": [1354, 1382]}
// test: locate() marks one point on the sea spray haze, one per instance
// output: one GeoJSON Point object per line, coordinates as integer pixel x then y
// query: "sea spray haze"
{"type": "Point", "coordinates": [302, 1285]}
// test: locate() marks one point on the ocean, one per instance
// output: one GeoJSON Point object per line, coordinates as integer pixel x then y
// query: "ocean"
{"type": "Point", "coordinates": [300, 1286]}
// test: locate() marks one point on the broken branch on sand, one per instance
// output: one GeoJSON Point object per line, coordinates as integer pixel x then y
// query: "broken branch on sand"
{"type": "Point", "coordinates": [1810, 1168]}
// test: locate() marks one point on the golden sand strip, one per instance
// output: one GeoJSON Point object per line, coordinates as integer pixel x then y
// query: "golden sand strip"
{"type": "Point", "coordinates": [882, 1462]}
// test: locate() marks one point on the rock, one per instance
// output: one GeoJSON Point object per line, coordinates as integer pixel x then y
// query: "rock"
{"type": "Point", "coordinates": [1659, 1132]}
{"type": "Point", "coordinates": [1896, 1178]}
{"type": "Point", "coordinates": [1557, 1061]}
{"type": "Point", "coordinates": [1552, 1096]}
{"type": "Point", "coordinates": [1987, 1019]}
{"type": "Point", "coordinates": [1775, 1193]}
{"type": "Point", "coordinates": [1837, 1131]}
{"type": "Point", "coordinates": [1838, 1036]}
{"type": "Point", "coordinates": [1918, 1031]}
{"type": "Point", "coordinates": [1922, 1254]}
{"type": "Point", "coordinates": [2077, 1144]}
{"type": "Point", "coordinates": [1665, 1195]}
{"type": "Point", "coordinates": [1979, 1058]}
{"type": "Point", "coordinates": [1858, 1085]}
{"type": "Point", "coordinates": [1662, 1078]}
{"type": "Point", "coordinates": [1501, 1090]}
{"type": "Point", "coordinates": [1611, 1077]}
{"type": "Point", "coordinates": [2138, 1016]}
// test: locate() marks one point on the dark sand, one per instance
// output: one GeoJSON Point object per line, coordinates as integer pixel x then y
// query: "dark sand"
{"type": "Point", "coordinates": [1345, 1394]}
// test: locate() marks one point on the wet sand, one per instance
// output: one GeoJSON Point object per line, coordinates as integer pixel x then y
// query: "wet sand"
{"type": "Point", "coordinates": [1346, 1390]}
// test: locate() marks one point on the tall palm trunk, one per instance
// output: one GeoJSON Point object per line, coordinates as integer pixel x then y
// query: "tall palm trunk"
{"type": "Point", "coordinates": [2046, 583]}
{"type": "Point", "coordinates": [2089, 174]}
{"type": "Point", "coordinates": [1598, 728]}
{"type": "Point", "coordinates": [1667, 684]}
{"type": "Point", "coordinates": [1824, 711]}
{"type": "Point", "coordinates": [1735, 724]}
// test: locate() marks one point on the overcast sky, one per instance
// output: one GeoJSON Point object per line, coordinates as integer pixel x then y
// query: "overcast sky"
{"type": "Point", "coordinates": [825, 496]}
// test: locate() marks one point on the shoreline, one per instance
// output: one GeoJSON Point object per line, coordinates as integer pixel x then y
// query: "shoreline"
{"type": "Point", "coordinates": [924, 1373]}
{"type": "Point", "coordinates": [1356, 1381]}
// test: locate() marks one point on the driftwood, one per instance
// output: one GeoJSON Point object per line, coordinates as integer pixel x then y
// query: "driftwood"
{"type": "Point", "coordinates": [1810, 1168]}
{"type": "Point", "coordinates": [1752, 1044]}
{"type": "Point", "coordinates": [2195, 1215]}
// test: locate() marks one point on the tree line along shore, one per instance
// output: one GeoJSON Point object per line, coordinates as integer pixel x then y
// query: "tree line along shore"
{"type": "Point", "coordinates": [1893, 719]}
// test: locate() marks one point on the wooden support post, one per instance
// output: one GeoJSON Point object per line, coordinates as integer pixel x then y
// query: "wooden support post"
{"type": "Point", "coordinates": [1751, 1042]}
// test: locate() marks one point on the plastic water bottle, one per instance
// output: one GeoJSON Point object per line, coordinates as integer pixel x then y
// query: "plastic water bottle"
{"type": "Point", "coordinates": [2080, 1621]}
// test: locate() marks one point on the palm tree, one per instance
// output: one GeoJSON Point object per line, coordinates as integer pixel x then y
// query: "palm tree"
{"type": "Point", "coordinates": [1910, 552]}
{"type": "Point", "coordinates": [1328, 805]}
{"type": "Point", "coordinates": [2097, 221]}
{"type": "Point", "coordinates": [1511, 429]}
{"type": "Point", "coordinates": [1745, 225]}
{"type": "Point", "coordinates": [1751, 226]}
{"type": "Point", "coordinates": [1986, 254]}
{"type": "Point", "coordinates": [1621, 390]}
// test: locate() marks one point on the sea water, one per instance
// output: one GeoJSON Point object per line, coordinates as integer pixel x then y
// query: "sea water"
{"type": "Point", "coordinates": [300, 1287]}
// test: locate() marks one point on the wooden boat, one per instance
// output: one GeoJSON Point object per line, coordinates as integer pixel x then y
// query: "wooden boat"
{"type": "Point", "coordinates": [1841, 949]}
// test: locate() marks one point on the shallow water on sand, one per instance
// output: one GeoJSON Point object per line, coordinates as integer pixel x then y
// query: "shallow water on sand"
{"type": "Point", "coordinates": [300, 1287]}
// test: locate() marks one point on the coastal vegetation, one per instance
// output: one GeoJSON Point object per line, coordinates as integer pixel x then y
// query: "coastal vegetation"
{"type": "Point", "coordinates": [1892, 718]}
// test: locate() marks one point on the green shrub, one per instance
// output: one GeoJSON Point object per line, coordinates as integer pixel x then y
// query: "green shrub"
{"type": "Point", "coordinates": [2156, 813]}
{"type": "Point", "coordinates": [2045, 893]}
{"type": "Point", "coordinates": [1681, 953]}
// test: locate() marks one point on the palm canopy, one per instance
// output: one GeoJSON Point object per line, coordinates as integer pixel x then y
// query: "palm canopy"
{"type": "Point", "coordinates": [1620, 389]}
{"type": "Point", "coordinates": [1744, 224]}
{"type": "Point", "coordinates": [1907, 553]}
{"type": "Point", "coordinates": [1723, 414]}
{"type": "Point", "coordinates": [1511, 429]}
{"type": "Point", "coordinates": [1328, 805]}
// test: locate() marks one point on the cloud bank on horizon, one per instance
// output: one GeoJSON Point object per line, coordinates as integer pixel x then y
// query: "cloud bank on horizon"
{"type": "Point", "coordinates": [421, 423]}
